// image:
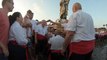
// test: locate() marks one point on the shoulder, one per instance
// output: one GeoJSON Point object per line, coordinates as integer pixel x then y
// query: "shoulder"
{"type": "Point", "coordinates": [1, 15]}
{"type": "Point", "coordinates": [46, 27]}
{"type": "Point", "coordinates": [39, 26]}
{"type": "Point", "coordinates": [15, 25]}
{"type": "Point", "coordinates": [33, 21]}
{"type": "Point", "coordinates": [59, 36]}
{"type": "Point", "coordinates": [74, 15]}
{"type": "Point", "coordinates": [51, 39]}
{"type": "Point", "coordinates": [85, 14]}
{"type": "Point", "coordinates": [0, 12]}
{"type": "Point", "coordinates": [78, 13]}
{"type": "Point", "coordinates": [54, 37]}
{"type": "Point", "coordinates": [1, 9]}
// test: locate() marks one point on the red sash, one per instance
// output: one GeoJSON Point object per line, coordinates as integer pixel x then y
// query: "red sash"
{"type": "Point", "coordinates": [82, 47]}
{"type": "Point", "coordinates": [40, 37]}
{"type": "Point", "coordinates": [56, 51]}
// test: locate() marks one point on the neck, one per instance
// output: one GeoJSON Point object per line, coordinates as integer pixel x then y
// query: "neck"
{"type": "Point", "coordinates": [5, 10]}
{"type": "Point", "coordinates": [43, 26]}
{"type": "Point", "coordinates": [20, 22]}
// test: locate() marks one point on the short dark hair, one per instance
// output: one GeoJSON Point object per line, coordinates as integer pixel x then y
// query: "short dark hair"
{"type": "Point", "coordinates": [12, 18]}
{"type": "Point", "coordinates": [15, 15]}
{"type": "Point", "coordinates": [29, 11]}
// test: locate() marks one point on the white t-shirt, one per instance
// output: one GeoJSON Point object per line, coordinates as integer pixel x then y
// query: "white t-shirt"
{"type": "Point", "coordinates": [56, 42]}
{"type": "Point", "coordinates": [34, 24]}
{"type": "Point", "coordinates": [41, 30]}
{"type": "Point", "coordinates": [64, 25]}
{"type": "Point", "coordinates": [34, 27]}
{"type": "Point", "coordinates": [18, 33]}
{"type": "Point", "coordinates": [82, 24]}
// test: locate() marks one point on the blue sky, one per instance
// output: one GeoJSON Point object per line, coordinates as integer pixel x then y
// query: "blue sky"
{"type": "Point", "coordinates": [49, 9]}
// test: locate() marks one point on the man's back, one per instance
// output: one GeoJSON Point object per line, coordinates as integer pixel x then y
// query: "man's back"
{"type": "Point", "coordinates": [82, 23]}
{"type": "Point", "coordinates": [85, 27]}
{"type": "Point", "coordinates": [56, 42]}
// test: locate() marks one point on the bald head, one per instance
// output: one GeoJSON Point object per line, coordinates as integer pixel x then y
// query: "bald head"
{"type": "Point", "coordinates": [76, 7]}
{"type": "Point", "coordinates": [4, 2]}
{"type": "Point", "coordinates": [44, 23]}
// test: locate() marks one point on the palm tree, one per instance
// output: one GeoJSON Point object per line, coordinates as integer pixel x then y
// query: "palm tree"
{"type": "Point", "coordinates": [104, 25]}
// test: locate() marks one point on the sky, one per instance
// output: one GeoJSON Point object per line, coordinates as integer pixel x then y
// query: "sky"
{"type": "Point", "coordinates": [50, 9]}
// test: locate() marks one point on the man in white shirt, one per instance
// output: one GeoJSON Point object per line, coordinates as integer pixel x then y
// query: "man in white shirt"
{"type": "Point", "coordinates": [56, 43]}
{"type": "Point", "coordinates": [41, 35]}
{"type": "Point", "coordinates": [80, 34]}
{"type": "Point", "coordinates": [30, 15]}
{"type": "Point", "coordinates": [34, 23]}
{"type": "Point", "coordinates": [30, 32]}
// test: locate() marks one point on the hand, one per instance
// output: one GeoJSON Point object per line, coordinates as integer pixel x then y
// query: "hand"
{"type": "Point", "coordinates": [48, 20]}
{"type": "Point", "coordinates": [63, 50]}
{"type": "Point", "coordinates": [29, 44]}
{"type": "Point", "coordinates": [5, 51]}
{"type": "Point", "coordinates": [35, 41]}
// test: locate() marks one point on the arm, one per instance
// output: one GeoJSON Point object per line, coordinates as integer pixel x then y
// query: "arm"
{"type": "Point", "coordinates": [49, 42]}
{"type": "Point", "coordinates": [55, 23]}
{"type": "Point", "coordinates": [4, 49]}
{"type": "Point", "coordinates": [68, 38]}
{"type": "Point", "coordinates": [70, 31]}
{"type": "Point", "coordinates": [2, 46]}
{"type": "Point", "coordinates": [35, 37]}
{"type": "Point", "coordinates": [35, 33]}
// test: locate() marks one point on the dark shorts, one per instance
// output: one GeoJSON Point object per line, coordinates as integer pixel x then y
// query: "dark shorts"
{"type": "Point", "coordinates": [16, 52]}
{"type": "Point", "coordinates": [56, 56]}
{"type": "Point", "coordinates": [75, 56]}
{"type": "Point", "coordinates": [2, 57]}
{"type": "Point", "coordinates": [41, 46]}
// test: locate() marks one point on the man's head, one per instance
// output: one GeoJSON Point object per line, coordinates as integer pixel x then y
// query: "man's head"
{"type": "Point", "coordinates": [8, 4]}
{"type": "Point", "coordinates": [17, 16]}
{"type": "Point", "coordinates": [43, 22]}
{"type": "Point", "coordinates": [30, 14]}
{"type": "Point", "coordinates": [26, 22]}
{"type": "Point", "coordinates": [76, 7]}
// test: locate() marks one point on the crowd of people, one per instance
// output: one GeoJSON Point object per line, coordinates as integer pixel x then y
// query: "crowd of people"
{"type": "Point", "coordinates": [101, 34]}
{"type": "Point", "coordinates": [22, 38]}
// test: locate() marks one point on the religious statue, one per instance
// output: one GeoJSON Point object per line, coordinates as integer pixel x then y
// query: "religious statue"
{"type": "Point", "coordinates": [64, 8]}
